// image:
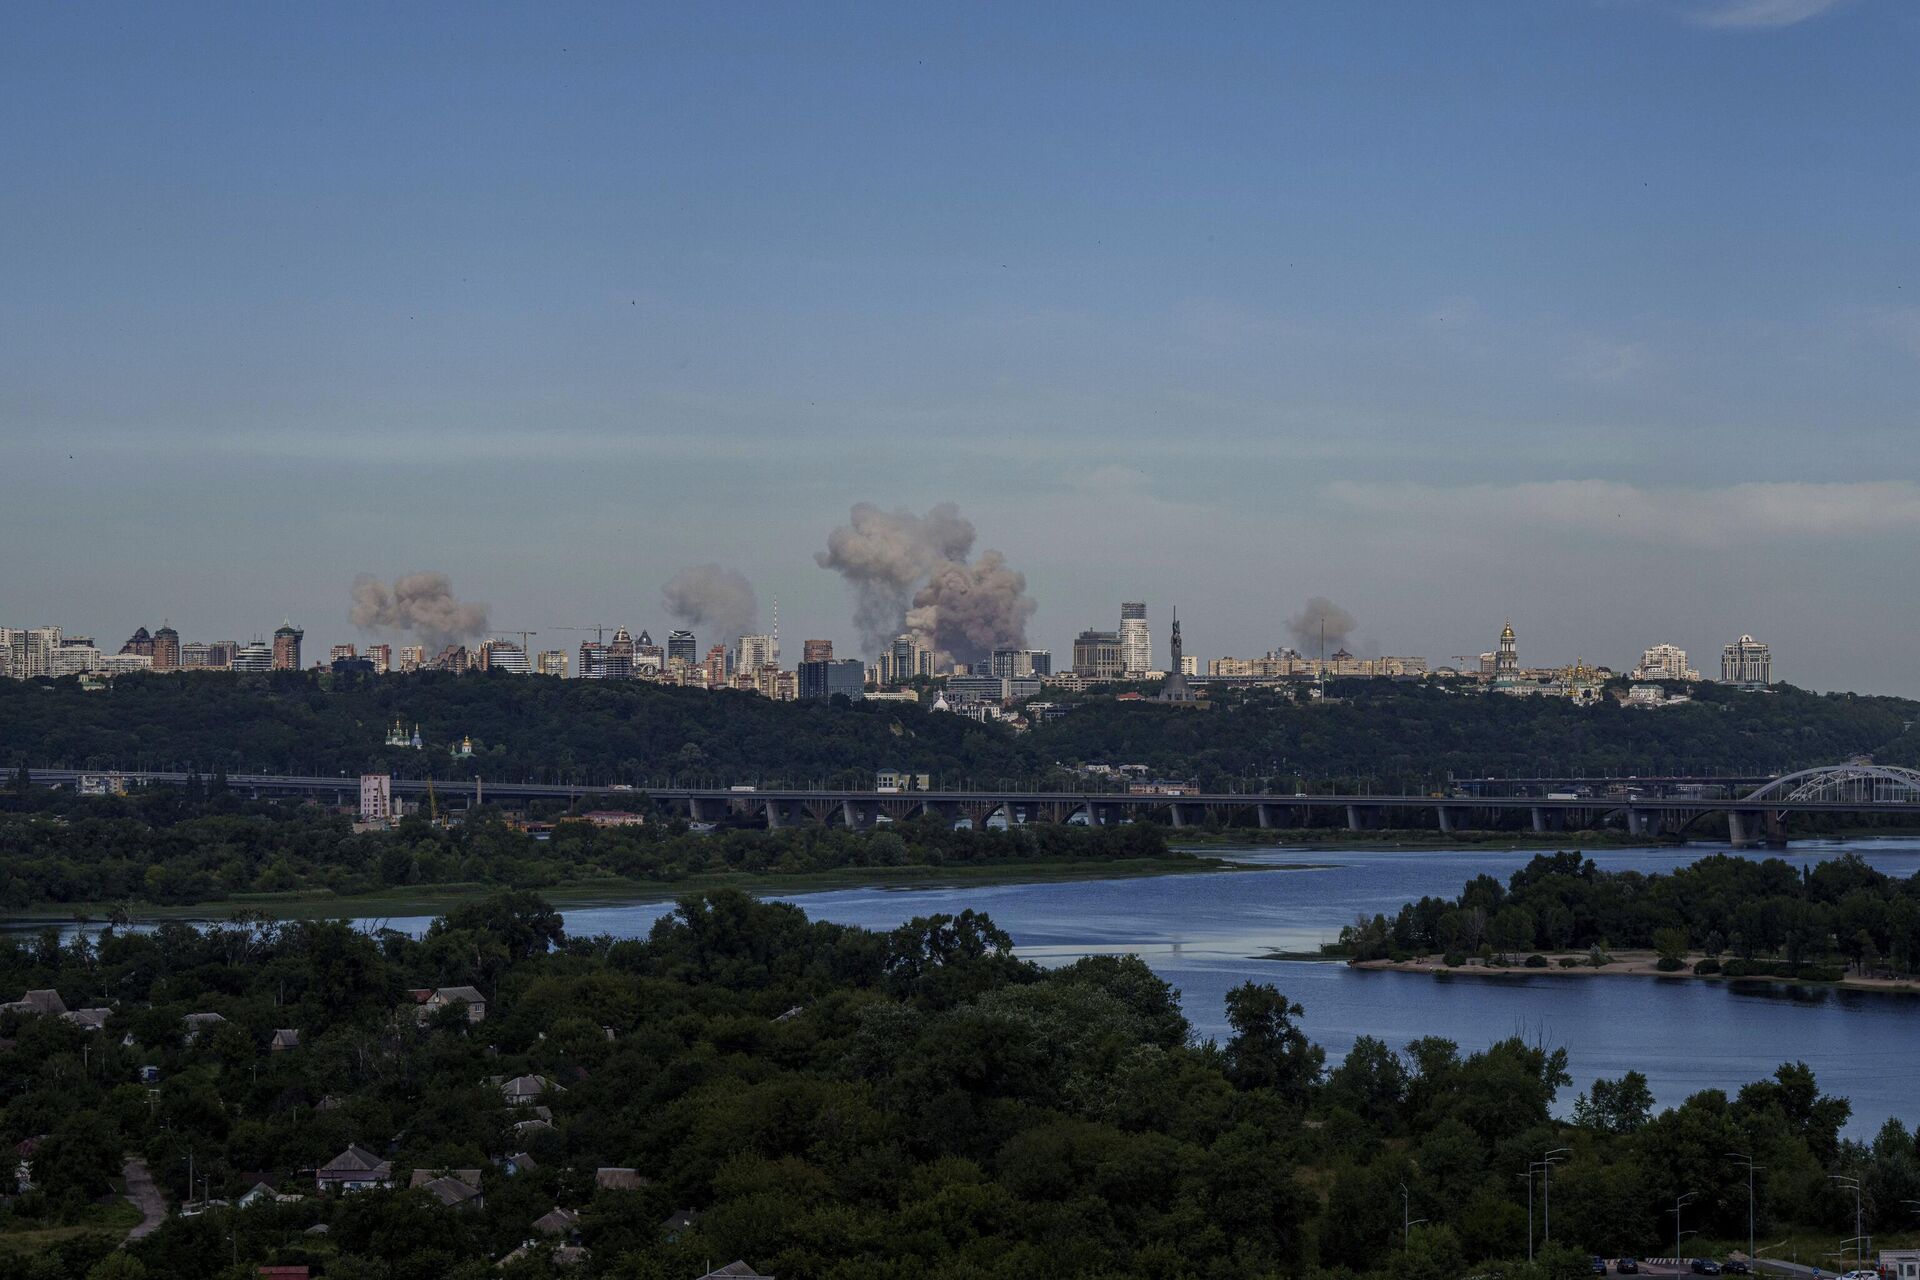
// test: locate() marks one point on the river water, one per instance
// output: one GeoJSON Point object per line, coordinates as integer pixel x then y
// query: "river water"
{"type": "Point", "coordinates": [1205, 934]}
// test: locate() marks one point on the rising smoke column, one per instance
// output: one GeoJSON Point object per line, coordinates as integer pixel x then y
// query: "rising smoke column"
{"type": "Point", "coordinates": [911, 573]}
{"type": "Point", "coordinates": [420, 604]}
{"type": "Point", "coordinates": [707, 595]}
{"type": "Point", "coordinates": [1305, 626]}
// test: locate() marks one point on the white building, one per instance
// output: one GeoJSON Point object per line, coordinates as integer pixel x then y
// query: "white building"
{"type": "Point", "coordinates": [376, 797]}
{"type": "Point", "coordinates": [72, 660]}
{"type": "Point", "coordinates": [1747, 662]}
{"type": "Point", "coordinates": [255, 657]}
{"type": "Point", "coordinates": [754, 653]}
{"type": "Point", "coordinates": [1136, 641]}
{"type": "Point", "coordinates": [1664, 662]}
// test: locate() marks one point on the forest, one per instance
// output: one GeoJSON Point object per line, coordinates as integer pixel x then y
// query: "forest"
{"type": "Point", "coordinates": [823, 1101]}
{"type": "Point", "coordinates": [1386, 735]}
{"type": "Point", "coordinates": [1750, 918]}
{"type": "Point", "coordinates": [199, 843]}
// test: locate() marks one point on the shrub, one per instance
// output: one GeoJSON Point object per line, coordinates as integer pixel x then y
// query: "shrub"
{"type": "Point", "coordinates": [1706, 967]}
{"type": "Point", "coordinates": [1819, 973]}
{"type": "Point", "coordinates": [1536, 962]}
{"type": "Point", "coordinates": [1669, 964]}
{"type": "Point", "coordinates": [1569, 962]}
{"type": "Point", "coordinates": [1454, 959]}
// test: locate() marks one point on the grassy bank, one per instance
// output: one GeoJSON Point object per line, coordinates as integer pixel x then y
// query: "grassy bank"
{"type": "Point", "coordinates": [420, 900]}
{"type": "Point", "coordinates": [23, 1240]}
{"type": "Point", "coordinates": [1628, 964]}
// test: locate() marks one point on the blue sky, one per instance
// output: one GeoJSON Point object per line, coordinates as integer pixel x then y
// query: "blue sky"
{"type": "Point", "coordinates": [1601, 314]}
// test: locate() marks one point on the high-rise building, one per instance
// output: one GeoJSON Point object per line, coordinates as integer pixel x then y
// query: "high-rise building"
{"type": "Point", "coordinates": [816, 651]}
{"type": "Point", "coordinates": [620, 655]}
{"type": "Point", "coordinates": [716, 667]}
{"type": "Point", "coordinates": [1136, 642]}
{"type": "Point", "coordinates": [376, 797]}
{"type": "Point", "coordinates": [166, 649]}
{"type": "Point", "coordinates": [139, 642]}
{"type": "Point", "coordinates": [503, 655]}
{"type": "Point", "coordinates": [1664, 662]}
{"type": "Point", "coordinates": [255, 658]}
{"type": "Point", "coordinates": [680, 644]}
{"type": "Point", "coordinates": [381, 655]}
{"type": "Point", "coordinates": [412, 657]}
{"type": "Point", "coordinates": [824, 677]}
{"type": "Point", "coordinates": [904, 659]}
{"type": "Point", "coordinates": [1748, 663]}
{"type": "Point", "coordinates": [648, 657]}
{"type": "Point", "coordinates": [286, 646]}
{"type": "Point", "coordinates": [552, 662]}
{"type": "Point", "coordinates": [754, 653]}
{"type": "Point", "coordinates": [1096, 654]}
{"type": "Point", "coordinates": [340, 651]}
{"type": "Point", "coordinates": [593, 660]}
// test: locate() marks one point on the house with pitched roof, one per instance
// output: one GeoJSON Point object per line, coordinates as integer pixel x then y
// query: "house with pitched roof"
{"type": "Point", "coordinates": [355, 1169]}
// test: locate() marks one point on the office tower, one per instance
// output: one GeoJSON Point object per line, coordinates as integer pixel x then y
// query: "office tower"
{"type": "Point", "coordinates": [593, 660]}
{"type": "Point", "coordinates": [816, 651]}
{"type": "Point", "coordinates": [381, 656]}
{"type": "Point", "coordinates": [503, 655]}
{"type": "Point", "coordinates": [824, 677]}
{"type": "Point", "coordinates": [904, 659]}
{"type": "Point", "coordinates": [552, 662]}
{"type": "Point", "coordinates": [1136, 642]}
{"type": "Point", "coordinates": [412, 657]}
{"type": "Point", "coordinates": [620, 655]}
{"type": "Point", "coordinates": [1096, 654]}
{"type": "Point", "coordinates": [1748, 663]}
{"type": "Point", "coordinates": [648, 657]}
{"type": "Point", "coordinates": [139, 642]}
{"type": "Point", "coordinates": [286, 646]}
{"type": "Point", "coordinates": [754, 652]}
{"type": "Point", "coordinates": [255, 658]}
{"type": "Point", "coordinates": [680, 644]}
{"type": "Point", "coordinates": [166, 649]}
{"type": "Point", "coordinates": [193, 656]}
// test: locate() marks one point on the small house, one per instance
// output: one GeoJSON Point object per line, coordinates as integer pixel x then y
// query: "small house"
{"type": "Point", "coordinates": [454, 1188]}
{"type": "Point", "coordinates": [355, 1169]}
{"type": "Point", "coordinates": [46, 1001]}
{"type": "Point", "coordinates": [735, 1270]}
{"type": "Point", "coordinates": [284, 1039]}
{"type": "Point", "coordinates": [557, 1223]}
{"type": "Point", "coordinates": [522, 1090]}
{"type": "Point", "coordinates": [518, 1163]}
{"type": "Point", "coordinates": [620, 1180]}
{"type": "Point", "coordinates": [431, 1001]}
{"type": "Point", "coordinates": [198, 1024]}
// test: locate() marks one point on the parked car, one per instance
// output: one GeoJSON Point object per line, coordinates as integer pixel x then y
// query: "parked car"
{"type": "Point", "coordinates": [1735, 1267]}
{"type": "Point", "coordinates": [1626, 1266]}
{"type": "Point", "coordinates": [1705, 1267]}
{"type": "Point", "coordinates": [1599, 1266]}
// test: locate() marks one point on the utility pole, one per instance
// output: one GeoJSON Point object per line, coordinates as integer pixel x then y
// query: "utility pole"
{"type": "Point", "coordinates": [1408, 1224]}
{"type": "Point", "coordinates": [1859, 1235]}
{"type": "Point", "coordinates": [1528, 1175]}
{"type": "Point", "coordinates": [1545, 1164]}
{"type": "Point", "coordinates": [1751, 1168]}
{"type": "Point", "coordinates": [1679, 1203]}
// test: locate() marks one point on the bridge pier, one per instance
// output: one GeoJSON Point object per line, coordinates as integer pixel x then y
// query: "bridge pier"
{"type": "Point", "coordinates": [856, 815]}
{"type": "Point", "coordinates": [1358, 819]}
{"type": "Point", "coordinates": [1539, 816]}
{"type": "Point", "coordinates": [1445, 817]}
{"type": "Point", "coordinates": [1776, 829]}
{"type": "Point", "coordinates": [1263, 814]}
{"type": "Point", "coordinates": [706, 808]}
{"type": "Point", "coordinates": [1738, 833]}
{"type": "Point", "coordinates": [1179, 817]}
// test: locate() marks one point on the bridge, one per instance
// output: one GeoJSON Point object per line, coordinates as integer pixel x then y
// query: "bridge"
{"type": "Point", "coordinates": [1759, 815]}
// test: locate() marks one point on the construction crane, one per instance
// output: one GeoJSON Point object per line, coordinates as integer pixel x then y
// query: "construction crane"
{"type": "Point", "coordinates": [599, 631]}
{"type": "Point", "coordinates": [524, 637]}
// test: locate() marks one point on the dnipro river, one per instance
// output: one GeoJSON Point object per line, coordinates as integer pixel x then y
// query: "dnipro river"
{"type": "Point", "coordinates": [1203, 933]}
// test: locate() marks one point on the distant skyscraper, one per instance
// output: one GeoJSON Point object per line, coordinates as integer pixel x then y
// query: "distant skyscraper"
{"type": "Point", "coordinates": [256, 657]}
{"type": "Point", "coordinates": [680, 644]}
{"type": "Point", "coordinates": [166, 649]}
{"type": "Point", "coordinates": [381, 655]}
{"type": "Point", "coordinates": [412, 657]}
{"type": "Point", "coordinates": [716, 667]}
{"type": "Point", "coordinates": [1136, 642]}
{"type": "Point", "coordinates": [504, 655]}
{"type": "Point", "coordinates": [620, 655]}
{"type": "Point", "coordinates": [1664, 662]}
{"type": "Point", "coordinates": [1096, 654]}
{"type": "Point", "coordinates": [816, 651]}
{"type": "Point", "coordinates": [1747, 662]}
{"type": "Point", "coordinates": [823, 677]}
{"type": "Point", "coordinates": [286, 646]}
{"type": "Point", "coordinates": [552, 662]}
{"type": "Point", "coordinates": [139, 642]}
{"type": "Point", "coordinates": [340, 651]}
{"type": "Point", "coordinates": [754, 653]}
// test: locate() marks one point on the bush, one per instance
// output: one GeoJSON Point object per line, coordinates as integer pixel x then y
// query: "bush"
{"type": "Point", "coordinates": [1707, 967]}
{"type": "Point", "coordinates": [1536, 962]}
{"type": "Point", "coordinates": [1569, 962]}
{"type": "Point", "coordinates": [1819, 973]}
{"type": "Point", "coordinates": [1454, 959]}
{"type": "Point", "coordinates": [1669, 964]}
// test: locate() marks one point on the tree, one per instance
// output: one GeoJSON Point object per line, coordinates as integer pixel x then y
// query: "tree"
{"type": "Point", "coordinates": [1615, 1106]}
{"type": "Point", "coordinates": [1671, 944]}
{"type": "Point", "coordinates": [1268, 1050]}
{"type": "Point", "coordinates": [524, 922]}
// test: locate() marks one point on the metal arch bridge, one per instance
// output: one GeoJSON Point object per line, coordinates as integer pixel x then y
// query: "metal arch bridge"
{"type": "Point", "coordinates": [1854, 789]}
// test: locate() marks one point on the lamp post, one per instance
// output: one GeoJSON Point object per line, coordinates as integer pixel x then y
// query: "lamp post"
{"type": "Point", "coordinates": [1528, 1175]}
{"type": "Point", "coordinates": [1751, 1168]}
{"type": "Point", "coordinates": [1545, 1165]}
{"type": "Point", "coordinates": [1859, 1236]}
{"type": "Point", "coordinates": [1680, 1202]}
{"type": "Point", "coordinates": [1407, 1224]}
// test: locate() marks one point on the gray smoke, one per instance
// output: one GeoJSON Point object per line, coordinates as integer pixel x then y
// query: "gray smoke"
{"type": "Point", "coordinates": [1305, 626]}
{"type": "Point", "coordinates": [420, 604]}
{"type": "Point", "coordinates": [911, 573]}
{"type": "Point", "coordinates": [709, 596]}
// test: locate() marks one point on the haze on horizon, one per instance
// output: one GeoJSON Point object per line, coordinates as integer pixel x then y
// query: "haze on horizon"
{"type": "Point", "coordinates": [1603, 315]}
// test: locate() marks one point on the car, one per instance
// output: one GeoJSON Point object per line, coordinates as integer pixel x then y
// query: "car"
{"type": "Point", "coordinates": [1704, 1267]}
{"type": "Point", "coordinates": [1599, 1265]}
{"type": "Point", "coordinates": [1626, 1266]}
{"type": "Point", "coordinates": [1735, 1267]}
{"type": "Point", "coordinates": [1866, 1274]}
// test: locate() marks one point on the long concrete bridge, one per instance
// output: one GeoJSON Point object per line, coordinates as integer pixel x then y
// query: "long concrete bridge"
{"type": "Point", "coordinates": [1759, 815]}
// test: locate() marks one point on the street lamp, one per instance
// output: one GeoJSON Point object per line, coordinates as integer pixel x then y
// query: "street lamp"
{"type": "Point", "coordinates": [1407, 1224]}
{"type": "Point", "coordinates": [1545, 1164]}
{"type": "Point", "coordinates": [1679, 1203]}
{"type": "Point", "coordinates": [1859, 1235]}
{"type": "Point", "coordinates": [1751, 1167]}
{"type": "Point", "coordinates": [1528, 1175]}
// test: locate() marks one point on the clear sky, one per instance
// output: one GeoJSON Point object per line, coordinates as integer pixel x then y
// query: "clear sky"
{"type": "Point", "coordinates": [1599, 314]}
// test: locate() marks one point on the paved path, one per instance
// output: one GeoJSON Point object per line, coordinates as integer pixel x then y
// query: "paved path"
{"type": "Point", "coordinates": [145, 1197]}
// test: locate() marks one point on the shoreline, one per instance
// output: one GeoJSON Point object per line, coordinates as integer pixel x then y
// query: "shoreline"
{"type": "Point", "coordinates": [612, 891]}
{"type": "Point", "coordinates": [1625, 964]}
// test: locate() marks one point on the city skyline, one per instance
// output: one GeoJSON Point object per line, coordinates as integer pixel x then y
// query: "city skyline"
{"type": "Point", "coordinates": [1603, 315]}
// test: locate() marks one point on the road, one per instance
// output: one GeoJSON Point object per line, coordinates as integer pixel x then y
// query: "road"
{"type": "Point", "coordinates": [144, 1196]}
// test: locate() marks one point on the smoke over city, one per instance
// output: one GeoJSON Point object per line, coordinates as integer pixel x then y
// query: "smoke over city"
{"type": "Point", "coordinates": [1305, 627]}
{"type": "Point", "coordinates": [706, 596]}
{"type": "Point", "coordinates": [419, 604]}
{"type": "Point", "coordinates": [912, 573]}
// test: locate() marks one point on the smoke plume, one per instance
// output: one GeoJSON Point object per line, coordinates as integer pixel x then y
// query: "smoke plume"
{"type": "Point", "coordinates": [911, 573]}
{"type": "Point", "coordinates": [420, 604]}
{"type": "Point", "coordinates": [708, 596]}
{"type": "Point", "coordinates": [1305, 626]}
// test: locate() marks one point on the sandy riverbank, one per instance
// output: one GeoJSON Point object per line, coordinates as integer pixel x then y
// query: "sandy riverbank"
{"type": "Point", "coordinates": [1632, 964]}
